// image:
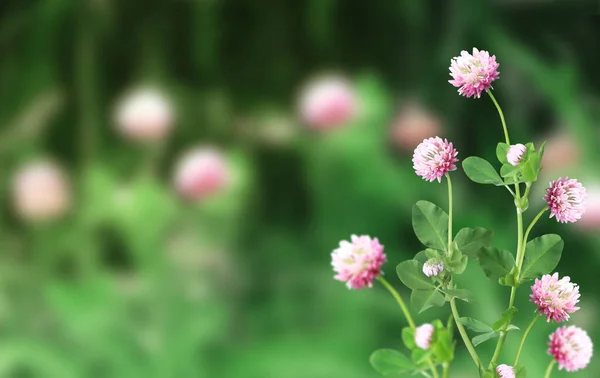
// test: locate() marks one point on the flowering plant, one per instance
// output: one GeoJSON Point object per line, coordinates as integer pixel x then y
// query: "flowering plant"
{"type": "Point", "coordinates": [430, 274]}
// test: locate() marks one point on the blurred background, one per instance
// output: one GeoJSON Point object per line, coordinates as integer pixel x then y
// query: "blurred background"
{"type": "Point", "coordinates": [175, 175]}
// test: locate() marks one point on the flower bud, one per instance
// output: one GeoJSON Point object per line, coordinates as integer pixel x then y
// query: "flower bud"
{"type": "Point", "coordinates": [424, 335]}
{"type": "Point", "coordinates": [505, 371]}
{"type": "Point", "coordinates": [515, 154]}
{"type": "Point", "coordinates": [433, 267]}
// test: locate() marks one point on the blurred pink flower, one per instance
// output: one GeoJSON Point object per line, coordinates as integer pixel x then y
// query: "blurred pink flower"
{"type": "Point", "coordinates": [41, 191]}
{"type": "Point", "coordinates": [328, 102]}
{"type": "Point", "coordinates": [571, 347]}
{"type": "Point", "coordinates": [505, 371]}
{"type": "Point", "coordinates": [555, 298]}
{"type": "Point", "coordinates": [433, 267]}
{"type": "Point", "coordinates": [590, 221]}
{"type": "Point", "coordinates": [515, 154]}
{"type": "Point", "coordinates": [473, 74]}
{"type": "Point", "coordinates": [358, 262]}
{"type": "Point", "coordinates": [145, 115]}
{"type": "Point", "coordinates": [201, 172]}
{"type": "Point", "coordinates": [566, 199]}
{"type": "Point", "coordinates": [424, 335]}
{"type": "Point", "coordinates": [413, 124]}
{"type": "Point", "coordinates": [561, 152]}
{"type": "Point", "coordinates": [433, 158]}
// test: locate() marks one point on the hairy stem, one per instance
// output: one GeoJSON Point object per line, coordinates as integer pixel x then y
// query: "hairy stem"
{"type": "Point", "coordinates": [535, 318]}
{"type": "Point", "coordinates": [449, 211]}
{"type": "Point", "coordinates": [463, 334]}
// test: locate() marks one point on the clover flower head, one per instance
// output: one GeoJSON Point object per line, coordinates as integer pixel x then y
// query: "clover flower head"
{"type": "Point", "coordinates": [358, 261]}
{"type": "Point", "coordinates": [433, 158]}
{"type": "Point", "coordinates": [566, 199]}
{"type": "Point", "coordinates": [473, 73]}
{"type": "Point", "coordinates": [571, 347]}
{"type": "Point", "coordinates": [555, 298]}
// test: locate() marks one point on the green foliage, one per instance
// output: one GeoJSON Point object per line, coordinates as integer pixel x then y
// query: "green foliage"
{"type": "Point", "coordinates": [422, 300]}
{"type": "Point", "coordinates": [479, 339]}
{"type": "Point", "coordinates": [390, 363]}
{"type": "Point", "coordinates": [462, 294]}
{"type": "Point", "coordinates": [411, 274]}
{"type": "Point", "coordinates": [504, 321]}
{"type": "Point", "coordinates": [430, 224]}
{"type": "Point", "coordinates": [542, 255]}
{"type": "Point", "coordinates": [495, 263]}
{"type": "Point", "coordinates": [475, 325]}
{"type": "Point", "coordinates": [481, 171]}
{"type": "Point", "coordinates": [470, 240]}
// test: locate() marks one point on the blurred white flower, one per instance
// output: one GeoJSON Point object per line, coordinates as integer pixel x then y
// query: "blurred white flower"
{"type": "Point", "coordinates": [201, 172]}
{"type": "Point", "coordinates": [145, 115]}
{"type": "Point", "coordinates": [41, 191]}
{"type": "Point", "coordinates": [561, 152]}
{"type": "Point", "coordinates": [328, 102]}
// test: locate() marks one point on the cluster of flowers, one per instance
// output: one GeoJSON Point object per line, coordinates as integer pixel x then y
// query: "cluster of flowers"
{"type": "Point", "coordinates": [145, 116]}
{"type": "Point", "coordinates": [358, 262]}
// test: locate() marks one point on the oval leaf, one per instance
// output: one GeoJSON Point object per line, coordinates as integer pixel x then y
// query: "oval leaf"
{"type": "Point", "coordinates": [430, 224]}
{"type": "Point", "coordinates": [389, 362]}
{"type": "Point", "coordinates": [541, 256]}
{"type": "Point", "coordinates": [481, 171]}
{"type": "Point", "coordinates": [470, 240]}
{"type": "Point", "coordinates": [495, 263]}
{"type": "Point", "coordinates": [411, 274]}
{"type": "Point", "coordinates": [483, 337]}
{"type": "Point", "coordinates": [422, 300]}
{"type": "Point", "coordinates": [475, 325]}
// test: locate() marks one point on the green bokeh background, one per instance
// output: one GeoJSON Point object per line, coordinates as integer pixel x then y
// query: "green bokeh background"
{"type": "Point", "coordinates": [137, 283]}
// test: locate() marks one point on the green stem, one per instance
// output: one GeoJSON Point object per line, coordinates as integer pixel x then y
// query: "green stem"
{"type": "Point", "coordinates": [533, 222]}
{"type": "Point", "coordinates": [501, 116]}
{"type": "Point", "coordinates": [446, 370]}
{"type": "Point", "coordinates": [535, 318]}
{"type": "Point", "coordinates": [408, 317]}
{"type": "Point", "coordinates": [463, 334]}
{"type": "Point", "coordinates": [449, 212]}
{"type": "Point", "coordinates": [549, 369]}
{"type": "Point", "coordinates": [398, 298]}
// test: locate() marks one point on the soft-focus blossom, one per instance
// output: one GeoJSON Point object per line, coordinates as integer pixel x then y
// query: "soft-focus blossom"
{"type": "Point", "coordinates": [555, 298]}
{"type": "Point", "coordinates": [560, 153]}
{"type": "Point", "coordinates": [201, 172]}
{"type": "Point", "coordinates": [413, 124]}
{"type": "Point", "coordinates": [424, 335]}
{"type": "Point", "coordinates": [328, 102]}
{"type": "Point", "coordinates": [473, 73]}
{"type": "Point", "coordinates": [515, 154]}
{"type": "Point", "coordinates": [41, 191]}
{"type": "Point", "coordinates": [566, 199]}
{"type": "Point", "coordinates": [433, 158]}
{"type": "Point", "coordinates": [505, 371]}
{"type": "Point", "coordinates": [433, 267]}
{"type": "Point", "coordinates": [590, 221]}
{"type": "Point", "coordinates": [358, 262]}
{"type": "Point", "coordinates": [145, 115]}
{"type": "Point", "coordinates": [571, 347]}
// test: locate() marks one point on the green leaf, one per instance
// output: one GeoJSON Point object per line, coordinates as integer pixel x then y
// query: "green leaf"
{"type": "Point", "coordinates": [442, 346]}
{"type": "Point", "coordinates": [458, 267]}
{"type": "Point", "coordinates": [389, 362]}
{"type": "Point", "coordinates": [484, 337]}
{"type": "Point", "coordinates": [422, 300]}
{"type": "Point", "coordinates": [430, 224]}
{"type": "Point", "coordinates": [475, 325]}
{"type": "Point", "coordinates": [411, 274]}
{"type": "Point", "coordinates": [495, 263]}
{"type": "Point", "coordinates": [408, 337]}
{"type": "Point", "coordinates": [419, 355]}
{"type": "Point", "coordinates": [541, 151]}
{"type": "Point", "coordinates": [481, 171]}
{"type": "Point", "coordinates": [504, 321]}
{"type": "Point", "coordinates": [508, 170]}
{"type": "Point", "coordinates": [542, 255]}
{"type": "Point", "coordinates": [421, 257]}
{"type": "Point", "coordinates": [501, 152]}
{"type": "Point", "coordinates": [470, 240]}
{"type": "Point", "coordinates": [521, 372]}
{"type": "Point", "coordinates": [462, 294]}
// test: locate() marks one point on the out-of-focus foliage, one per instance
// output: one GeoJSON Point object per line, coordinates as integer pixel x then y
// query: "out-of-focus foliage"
{"type": "Point", "coordinates": [135, 281]}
